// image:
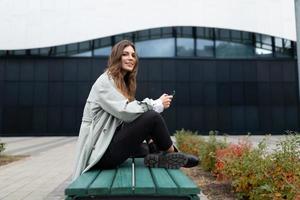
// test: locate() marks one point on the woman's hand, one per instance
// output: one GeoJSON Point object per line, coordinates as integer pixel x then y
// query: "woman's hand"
{"type": "Point", "coordinates": [166, 100]}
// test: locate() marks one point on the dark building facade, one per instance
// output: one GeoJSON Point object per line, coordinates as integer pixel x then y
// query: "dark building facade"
{"type": "Point", "coordinates": [46, 96]}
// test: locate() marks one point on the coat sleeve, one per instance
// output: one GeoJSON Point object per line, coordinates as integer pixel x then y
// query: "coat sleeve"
{"type": "Point", "coordinates": [105, 94]}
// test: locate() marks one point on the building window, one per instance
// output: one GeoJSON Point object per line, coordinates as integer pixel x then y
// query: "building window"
{"type": "Point", "coordinates": [185, 47]}
{"type": "Point", "coordinates": [156, 48]}
{"type": "Point", "coordinates": [226, 49]}
{"type": "Point", "coordinates": [205, 48]}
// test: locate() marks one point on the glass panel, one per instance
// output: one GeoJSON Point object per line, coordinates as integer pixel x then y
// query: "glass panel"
{"type": "Point", "coordinates": [167, 31]}
{"type": "Point", "coordinates": [102, 51]}
{"type": "Point", "coordinates": [83, 54]}
{"type": "Point", "coordinates": [44, 51]}
{"type": "Point", "coordinates": [185, 47]}
{"type": "Point", "coordinates": [20, 52]}
{"type": "Point", "coordinates": [155, 33]}
{"type": "Point", "coordinates": [205, 48]}
{"type": "Point", "coordinates": [266, 39]}
{"type": "Point", "coordinates": [60, 49]}
{"type": "Point", "coordinates": [263, 52]}
{"type": "Point", "coordinates": [84, 46]}
{"type": "Point", "coordinates": [72, 47]}
{"type": "Point", "coordinates": [142, 35]}
{"type": "Point", "coordinates": [278, 42]}
{"type": "Point", "coordinates": [156, 48]}
{"type": "Point", "coordinates": [233, 50]}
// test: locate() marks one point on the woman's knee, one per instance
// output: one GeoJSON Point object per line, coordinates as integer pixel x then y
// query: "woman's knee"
{"type": "Point", "coordinates": [151, 115]}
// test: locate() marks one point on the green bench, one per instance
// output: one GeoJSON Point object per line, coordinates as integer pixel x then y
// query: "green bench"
{"type": "Point", "coordinates": [132, 180]}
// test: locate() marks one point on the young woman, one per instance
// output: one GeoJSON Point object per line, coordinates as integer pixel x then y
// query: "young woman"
{"type": "Point", "coordinates": [114, 124]}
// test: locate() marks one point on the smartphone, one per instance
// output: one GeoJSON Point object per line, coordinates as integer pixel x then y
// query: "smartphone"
{"type": "Point", "coordinates": [174, 92]}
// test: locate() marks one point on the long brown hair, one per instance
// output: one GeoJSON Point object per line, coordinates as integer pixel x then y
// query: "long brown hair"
{"type": "Point", "coordinates": [126, 84]}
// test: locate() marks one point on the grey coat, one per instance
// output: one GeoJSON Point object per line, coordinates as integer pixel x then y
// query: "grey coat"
{"type": "Point", "coordinates": [106, 108]}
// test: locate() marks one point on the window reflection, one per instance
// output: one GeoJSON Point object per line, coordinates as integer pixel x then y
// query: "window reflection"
{"type": "Point", "coordinates": [205, 48]}
{"type": "Point", "coordinates": [105, 51]}
{"type": "Point", "coordinates": [156, 48]}
{"type": "Point", "coordinates": [233, 50]}
{"type": "Point", "coordinates": [185, 47]}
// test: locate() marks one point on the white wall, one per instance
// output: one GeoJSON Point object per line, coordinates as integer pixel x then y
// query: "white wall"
{"type": "Point", "coordinates": [41, 23]}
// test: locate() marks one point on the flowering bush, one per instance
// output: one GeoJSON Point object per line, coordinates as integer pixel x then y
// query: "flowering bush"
{"type": "Point", "coordinates": [208, 151]}
{"type": "Point", "coordinates": [189, 142]}
{"type": "Point", "coordinates": [232, 151]}
{"type": "Point", "coordinates": [256, 174]}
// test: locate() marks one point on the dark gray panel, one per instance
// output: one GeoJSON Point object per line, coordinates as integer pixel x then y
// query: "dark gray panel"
{"type": "Point", "coordinates": [224, 94]}
{"type": "Point", "coordinates": [56, 70]}
{"type": "Point", "coordinates": [263, 71]}
{"type": "Point", "coordinates": [210, 118]}
{"type": "Point", "coordinates": [292, 116]}
{"type": "Point", "coordinates": [2, 69]}
{"type": "Point", "coordinates": [182, 71]}
{"type": "Point", "coordinates": [41, 94]}
{"type": "Point", "coordinates": [265, 119]}
{"type": "Point", "coordinates": [236, 71]}
{"type": "Point", "coordinates": [276, 72]}
{"type": "Point", "coordinates": [250, 91]}
{"type": "Point", "coordinates": [40, 119]}
{"type": "Point", "coordinates": [277, 93]}
{"type": "Point", "coordinates": [290, 93]}
{"type": "Point", "coordinates": [26, 94]}
{"type": "Point", "coordinates": [250, 72]}
{"type": "Point", "coordinates": [155, 90]}
{"type": "Point", "coordinates": [223, 71]}
{"type": "Point", "coordinates": [69, 94]}
{"type": "Point", "coordinates": [2, 93]}
{"type": "Point", "coordinates": [55, 93]}
{"type": "Point", "coordinates": [10, 120]}
{"type": "Point", "coordinates": [98, 67]}
{"type": "Point", "coordinates": [264, 94]}
{"type": "Point", "coordinates": [182, 93]}
{"type": "Point", "coordinates": [196, 93]}
{"type": "Point", "coordinates": [209, 71]}
{"type": "Point", "coordinates": [41, 69]}
{"type": "Point", "coordinates": [197, 118]}
{"type": "Point", "coordinates": [83, 92]}
{"type": "Point", "coordinates": [168, 70]}
{"type": "Point", "coordinates": [27, 70]}
{"type": "Point", "coordinates": [238, 119]}
{"type": "Point", "coordinates": [25, 115]}
{"type": "Point", "coordinates": [54, 119]}
{"type": "Point", "coordinates": [11, 92]}
{"type": "Point", "coordinates": [154, 70]}
{"type": "Point", "coordinates": [278, 120]}
{"type": "Point", "coordinates": [69, 119]}
{"type": "Point", "coordinates": [237, 94]}
{"type": "Point", "coordinates": [12, 70]}
{"type": "Point", "coordinates": [224, 119]}
{"type": "Point", "coordinates": [84, 67]}
{"type": "Point", "coordinates": [196, 71]}
{"type": "Point", "coordinates": [183, 117]}
{"type": "Point", "coordinates": [70, 70]}
{"type": "Point", "coordinates": [210, 94]}
{"type": "Point", "coordinates": [289, 72]}
{"type": "Point", "coordinates": [251, 118]}
{"type": "Point", "coordinates": [142, 71]}
{"type": "Point", "coordinates": [170, 118]}
{"type": "Point", "coordinates": [1, 118]}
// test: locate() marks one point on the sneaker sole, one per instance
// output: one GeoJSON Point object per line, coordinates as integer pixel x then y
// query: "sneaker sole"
{"type": "Point", "coordinates": [169, 160]}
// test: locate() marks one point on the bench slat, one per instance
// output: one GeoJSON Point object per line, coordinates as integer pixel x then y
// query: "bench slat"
{"type": "Point", "coordinates": [164, 183]}
{"type": "Point", "coordinates": [81, 184]}
{"type": "Point", "coordinates": [122, 183]}
{"type": "Point", "coordinates": [185, 184]}
{"type": "Point", "coordinates": [143, 178]}
{"type": "Point", "coordinates": [103, 182]}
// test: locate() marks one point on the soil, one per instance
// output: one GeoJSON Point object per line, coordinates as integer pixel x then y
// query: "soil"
{"type": "Point", "coordinates": [213, 189]}
{"type": "Point", "coordinates": [5, 159]}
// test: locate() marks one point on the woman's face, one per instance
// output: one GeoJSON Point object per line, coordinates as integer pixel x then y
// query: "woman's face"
{"type": "Point", "coordinates": [128, 59]}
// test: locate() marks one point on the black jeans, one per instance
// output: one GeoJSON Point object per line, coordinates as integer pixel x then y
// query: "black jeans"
{"type": "Point", "coordinates": [129, 136]}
